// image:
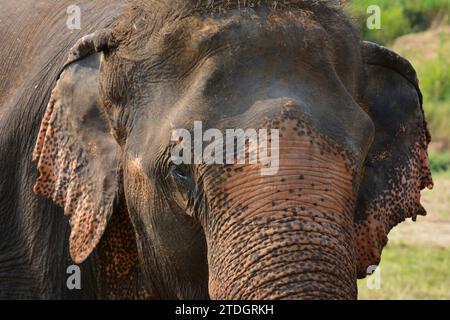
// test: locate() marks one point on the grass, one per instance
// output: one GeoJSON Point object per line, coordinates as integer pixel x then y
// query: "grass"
{"type": "Point", "coordinates": [416, 262]}
{"type": "Point", "coordinates": [411, 272]}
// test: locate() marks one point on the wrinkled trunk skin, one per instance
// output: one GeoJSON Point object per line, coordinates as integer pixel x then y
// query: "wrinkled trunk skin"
{"type": "Point", "coordinates": [290, 235]}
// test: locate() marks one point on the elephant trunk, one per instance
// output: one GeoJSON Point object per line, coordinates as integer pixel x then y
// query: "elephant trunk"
{"type": "Point", "coordinates": [295, 253]}
{"type": "Point", "coordinates": [288, 259]}
{"type": "Point", "coordinates": [289, 235]}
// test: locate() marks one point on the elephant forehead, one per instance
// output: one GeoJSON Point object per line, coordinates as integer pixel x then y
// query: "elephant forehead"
{"type": "Point", "coordinates": [182, 43]}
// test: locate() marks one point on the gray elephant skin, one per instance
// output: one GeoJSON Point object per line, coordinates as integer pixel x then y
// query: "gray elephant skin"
{"type": "Point", "coordinates": [86, 175]}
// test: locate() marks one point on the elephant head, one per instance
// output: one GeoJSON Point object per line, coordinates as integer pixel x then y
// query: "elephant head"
{"type": "Point", "coordinates": [351, 149]}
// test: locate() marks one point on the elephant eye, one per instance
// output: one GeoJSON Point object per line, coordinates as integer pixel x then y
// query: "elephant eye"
{"type": "Point", "coordinates": [180, 173]}
{"type": "Point", "coordinates": [182, 178]}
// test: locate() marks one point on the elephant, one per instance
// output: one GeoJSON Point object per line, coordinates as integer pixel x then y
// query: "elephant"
{"type": "Point", "coordinates": [88, 175]}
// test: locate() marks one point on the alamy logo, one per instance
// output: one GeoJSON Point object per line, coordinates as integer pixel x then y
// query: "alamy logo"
{"type": "Point", "coordinates": [237, 146]}
{"type": "Point", "coordinates": [374, 282]}
{"type": "Point", "coordinates": [74, 279]}
{"type": "Point", "coordinates": [374, 20]}
{"type": "Point", "coordinates": [73, 17]}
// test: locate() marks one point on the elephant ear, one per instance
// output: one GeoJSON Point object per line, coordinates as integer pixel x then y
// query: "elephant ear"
{"type": "Point", "coordinates": [396, 168]}
{"type": "Point", "coordinates": [76, 155]}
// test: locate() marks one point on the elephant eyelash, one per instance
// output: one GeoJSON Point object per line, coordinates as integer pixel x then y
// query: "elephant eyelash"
{"type": "Point", "coordinates": [183, 179]}
{"type": "Point", "coordinates": [186, 190]}
{"type": "Point", "coordinates": [181, 176]}
{"type": "Point", "coordinates": [176, 171]}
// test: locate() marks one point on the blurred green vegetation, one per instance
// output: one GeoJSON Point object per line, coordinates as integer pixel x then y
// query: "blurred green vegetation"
{"type": "Point", "coordinates": [434, 79]}
{"type": "Point", "coordinates": [398, 17]}
{"type": "Point", "coordinates": [435, 75]}
{"type": "Point", "coordinates": [440, 161]}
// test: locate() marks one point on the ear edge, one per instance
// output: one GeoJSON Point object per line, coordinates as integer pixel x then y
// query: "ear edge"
{"type": "Point", "coordinates": [374, 54]}
{"type": "Point", "coordinates": [66, 191]}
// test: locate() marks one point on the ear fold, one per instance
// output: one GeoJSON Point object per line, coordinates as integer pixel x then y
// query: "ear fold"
{"type": "Point", "coordinates": [397, 167]}
{"type": "Point", "coordinates": [77, 157]}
